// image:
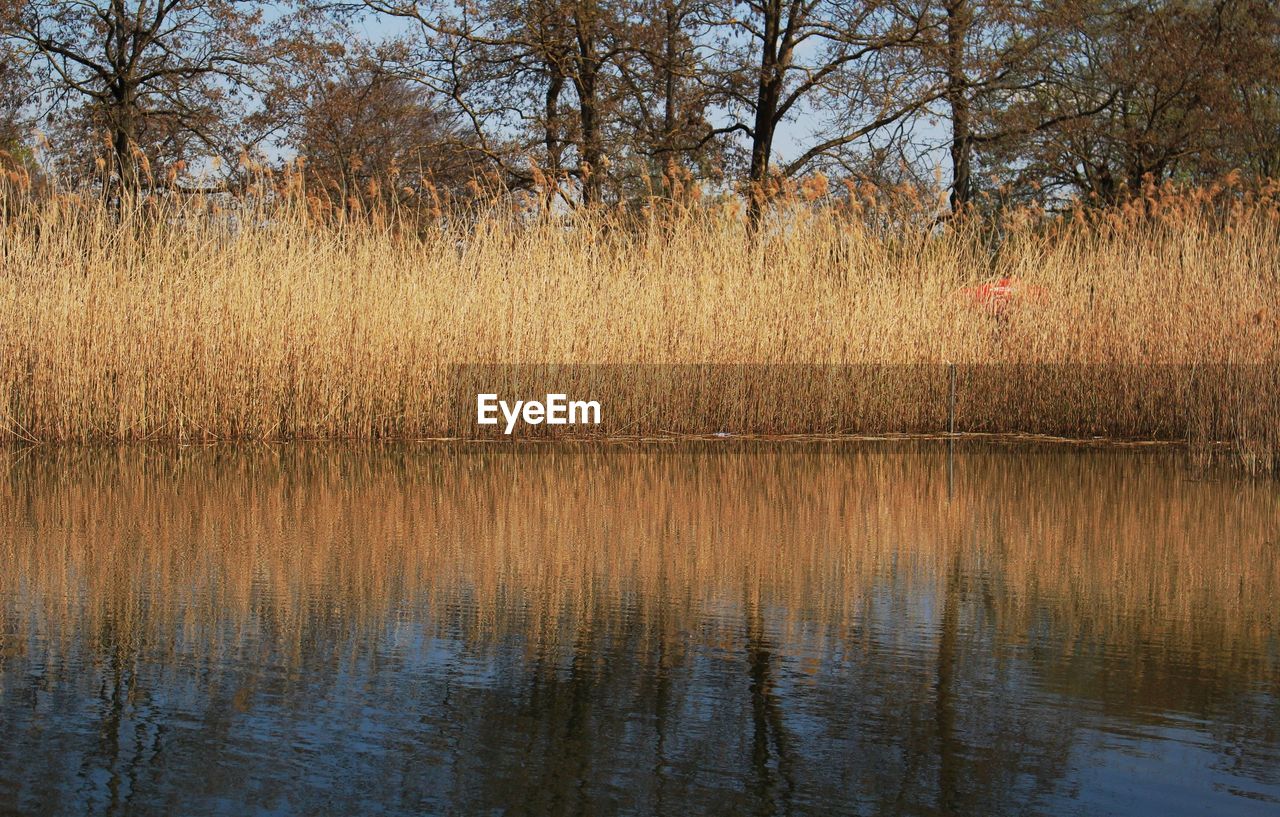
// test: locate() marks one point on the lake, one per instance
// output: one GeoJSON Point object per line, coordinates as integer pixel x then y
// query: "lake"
{"type": "Point", "coordinates": [668, 628]}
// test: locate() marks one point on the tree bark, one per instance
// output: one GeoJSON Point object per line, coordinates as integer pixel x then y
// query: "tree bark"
{"type": "Point", "coordinates": [768, 92]}
{"type": "Point", "coordinates": [586, 82]}
{"type": "Point", "coordinates": [670, 31]}
{"type": "Point", "coordinates": [592, 152]}
{"type": "Point", "coordinates": [551, 113]}
{"type": "Point", "coordinates": [124, 140]}
{"type": "Point", "coordinates": [959, 21]}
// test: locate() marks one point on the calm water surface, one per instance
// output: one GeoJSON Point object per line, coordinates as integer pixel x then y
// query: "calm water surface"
{"type": "Point", "coordinates": [667, 629]}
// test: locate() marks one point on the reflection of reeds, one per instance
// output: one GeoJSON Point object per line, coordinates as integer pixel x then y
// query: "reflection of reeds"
{"type": "Point", "coordinates": [209, 551]}
{"type": "Point", "coordinates": [179, 324]}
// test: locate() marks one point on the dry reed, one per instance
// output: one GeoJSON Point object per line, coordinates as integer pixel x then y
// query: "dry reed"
{"type": "Point", "coordinates": [188, 322]}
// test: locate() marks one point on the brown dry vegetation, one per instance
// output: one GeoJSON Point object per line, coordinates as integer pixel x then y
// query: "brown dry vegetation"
{"type": "Point", "coordinates": [187, 322]}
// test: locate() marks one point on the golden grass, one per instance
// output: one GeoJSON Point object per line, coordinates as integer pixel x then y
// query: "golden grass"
{"type": "Point", "coordinates": [216, 551]}
{"type": "Point", "coordinates": [1158, 320]}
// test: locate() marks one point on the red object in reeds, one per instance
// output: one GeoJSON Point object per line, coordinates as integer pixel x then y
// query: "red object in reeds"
{"type": "Point", "coordinates": [998, 296]}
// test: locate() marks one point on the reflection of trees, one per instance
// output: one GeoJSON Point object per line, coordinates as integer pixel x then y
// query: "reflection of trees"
{"type": "Point", "coordinates": [997, 749]}
{"type": "Point", "coordinates": [944, 693]}
{"type": "Point", "coordinates": [596, 716]}
{"type": "Point", "coordinates": [565, 709]}
{"type": "Point", "coordinates": [802, 650]}
{"type": "Point", "coordinates": [769, 743]}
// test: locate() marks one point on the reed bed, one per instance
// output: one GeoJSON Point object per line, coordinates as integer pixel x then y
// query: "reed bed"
{"type": "Point", "coordinates": [190, 321]}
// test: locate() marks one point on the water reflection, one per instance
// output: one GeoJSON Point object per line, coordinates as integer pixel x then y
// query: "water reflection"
{"type": "Point", "coordinates": [730, 628]}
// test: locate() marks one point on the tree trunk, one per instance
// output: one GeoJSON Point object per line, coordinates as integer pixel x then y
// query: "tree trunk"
{"type": "Point", "coordinates": [959, 21]}
{"type": "Point", "coordinates": [671, 30]}
{"type": "Point", "coordinates": [591, 171]}
{"type": "Point", "coordinates": [768, 92]}
{"type": "Point", "coordinates": [123, 132]}
{"type": "Point", "coordinates": [551, 114]}
{"type": "Point", "coordinates": [586, 84]}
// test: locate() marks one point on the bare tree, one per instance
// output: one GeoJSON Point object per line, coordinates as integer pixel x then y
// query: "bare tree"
{"type": "Point", "coordinates": [1142, 92]}
{"type": "Point", "coordinates": [850, 65]}
{"type": "Point", "coordinates": [989, 55]}
{"type": "Point", "coordinates": [155, 74]}
{"type": "Point", "coordinates": [534, 79]}
{"type": "Point", "coordinates": [666, 109]}
{"type": "Point", "coordinates": [366, 134]}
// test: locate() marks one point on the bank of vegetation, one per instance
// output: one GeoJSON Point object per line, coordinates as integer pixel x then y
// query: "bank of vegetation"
{"type": "Point", "coordinates": [858, 311]}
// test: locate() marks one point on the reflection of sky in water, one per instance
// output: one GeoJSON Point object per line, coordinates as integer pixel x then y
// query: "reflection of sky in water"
{"type": "Point", "coordinates": [965, 682]}
{"type": "Point", "coordinates": [1146, 770]}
